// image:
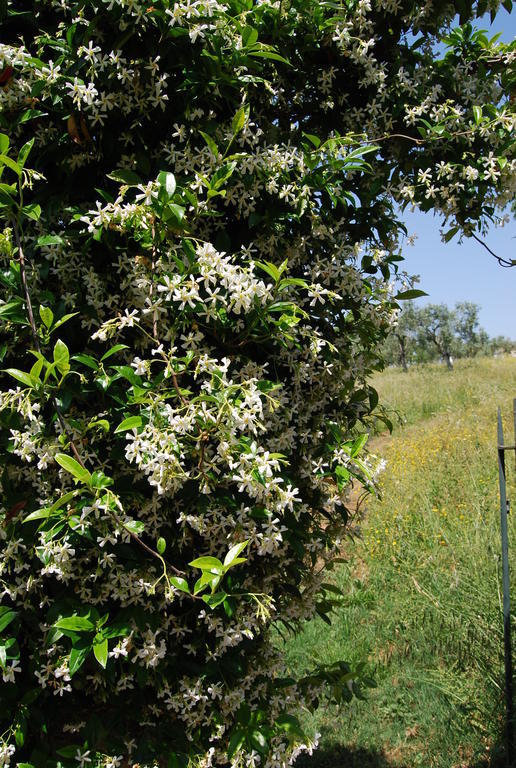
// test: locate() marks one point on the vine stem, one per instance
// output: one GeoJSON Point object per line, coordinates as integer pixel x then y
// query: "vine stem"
{"type": "Point", "coordinates": [501, 261]}
{"type": "Point", "coordinates": [142, 544]}
{"type": "Point", "coordinates": [23, 277]}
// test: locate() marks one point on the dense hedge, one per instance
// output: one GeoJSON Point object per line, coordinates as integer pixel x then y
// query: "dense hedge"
{"type": "Point", "coordinates": [198, 268]}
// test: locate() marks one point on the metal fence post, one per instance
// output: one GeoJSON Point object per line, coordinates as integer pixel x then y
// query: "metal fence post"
{"type": "Point", "coordinates": [506, 589]}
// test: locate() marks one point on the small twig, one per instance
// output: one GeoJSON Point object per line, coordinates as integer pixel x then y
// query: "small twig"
{"type": "Point", "coordinates": [23, 277]}
{"type": "Point", "coordinates": [153, 268]}
{"type": "Point", "coordinates": [501, 261]}
{"type": "Point", "coordinates": [203, 439]}
{"type": "Point", "coordinates": [142, 544]}
{"type": "Point", "coordinates": [176, 387]}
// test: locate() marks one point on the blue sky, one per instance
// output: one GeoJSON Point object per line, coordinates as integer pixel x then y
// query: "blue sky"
{"type": "Point", "coordinates": [451, 272]}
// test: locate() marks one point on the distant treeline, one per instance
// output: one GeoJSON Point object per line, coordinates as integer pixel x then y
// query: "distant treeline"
{"type": "Point", "coordinates": [436, 332]}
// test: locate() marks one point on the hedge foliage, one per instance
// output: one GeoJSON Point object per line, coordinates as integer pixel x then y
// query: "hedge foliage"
{"type": "Point", "coordinates": [200, 261]}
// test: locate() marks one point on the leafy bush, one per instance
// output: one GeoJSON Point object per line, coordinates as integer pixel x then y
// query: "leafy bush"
{"type": "Point", "coordinates": [197, 275]}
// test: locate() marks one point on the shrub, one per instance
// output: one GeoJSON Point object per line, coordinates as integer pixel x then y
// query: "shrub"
{"type": "Point", "coordinates": [198, 272]}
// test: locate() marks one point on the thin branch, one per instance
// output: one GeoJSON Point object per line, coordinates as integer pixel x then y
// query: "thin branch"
{"type": "Point", "coordinates": [153, 269]}
{"type": "Point", "coordinates": [501, 261]}
{"type": "Point", "coordinates": [142, 544]}
{"type": "Point", "coordinates": [23, 277]}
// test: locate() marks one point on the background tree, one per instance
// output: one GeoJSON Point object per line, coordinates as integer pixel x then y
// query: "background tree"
{"type": "Point", "coordinates": [422, 334]}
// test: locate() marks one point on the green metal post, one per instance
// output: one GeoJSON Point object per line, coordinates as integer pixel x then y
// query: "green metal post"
{"type": "Point", "coordinates": [506, 596]}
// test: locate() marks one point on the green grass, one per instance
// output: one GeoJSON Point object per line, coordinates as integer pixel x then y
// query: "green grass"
{"type": "Point", "coordinates": [422, 604]}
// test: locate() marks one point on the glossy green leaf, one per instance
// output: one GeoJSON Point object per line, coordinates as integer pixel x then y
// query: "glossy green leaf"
{"type": "Point", "coordinates": [161, 545]}
{"type": "Point", "coordinates": [61, 356]}
{"type": "Point", "coordinates": [132, 422]}
{"type": "Point", "coordinates": [47, 316]}
{"type": "Point", "coordinates": [71, 465]}
{"type": "Point", "coordinates": [100, 651]}
{"type": "Point", "coordinates": [125, 176]}
{"type": "Point", "coordinates": [75, 624]}
{"type": "Point", "coordinates": [180, 584]}
{"type": "Point", "coordinates": [211, 564]}
{"type": "Point", "coordinates": [167, 182]}
{"type": "Point", "coordinates": [6, 616]}
{"type": "Point", "coordinates": [24, 378]}
{"type": "Point", "coordinates": [234, 552]}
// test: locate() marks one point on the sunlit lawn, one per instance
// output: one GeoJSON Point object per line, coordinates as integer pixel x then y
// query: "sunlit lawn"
{"type": "Point", "coordinates": [422, 582]}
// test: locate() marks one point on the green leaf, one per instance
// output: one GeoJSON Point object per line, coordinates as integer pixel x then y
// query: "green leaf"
{"type": "Point", "coordinates": [50, 240]}
{"type": "Point", "coordinates": [74, 468]}
{"type": "Point", "coordinates": [24, 152]}
{"type": "Point", "coordinates": [249, 37]}
{"type": "Point", "coordinates": [207, 579]}
{"type": "Point", "coordinates": [161, 545]}
{"type": "Point", "coordinates": [180, 584]}
{"type": "Point", "coordinates": [264, 54]}
{"type": "Point", "coordinates": [134, 526]}
{"type": "Point", "coordinates": [239, 119]}
{"type": "Point", "coordinates": [222, 175]}
{"type": "Point", "coordinates": [126, 372]}
{"type": "Point", "coordinates": [315, 140]}
{"type": "Point", "coordinates": [173, 214]}
{"type": "Point", "coordinates": [9, 162]}
{"type": "Point", "coordinates": [477, 114]}
{"type": "Point", "coordinates": [358, 445]}
{"type": "Point", "coordinates": [4, 143]}
{"type": "Point", "coordinates": [270, 269]}
{"type": "Point", "coordinates": [234, 552]}
{"type": "Point", "coordinates": [63, 500]}
{"type": "Point", "coordinates": [100, 423]}
{"type": "Point", "coordinates": [113, 351]}
{"type": "Point", "coordinates": [46, 315]}
{"type": "Point", "coordinates": [116, 630]}
{"type": "Point", "coordinates": [25, 378]}
{"type": "Point", "coordinates": [75, 624]}
{"type": "Point", "coordinates": [31, 114]}
{"type": "Point", "coordinates": [87, 360]}
{"type": "Point", "coordinates": [11, 309]}
{"type": "Point", "coordinates": [132, 422]}
{"type": "Point", "coordinates": [63, 320]}
{"type": "Point", "coordinates": [167, 182]}
{"type": "Point", "coordinates": [211, 144]}
{"type": "Point", "coordinates": [6, 616]}
{"type": "Point", "coordinates": [61, 356]}
{"type": "Point", "coordinates": [70, 750]}
{"type": "Point", "coordinates": [100, 480]}
{"type": "Point", "coordinates": [451, 232]}
{"type": "Point", "coordinates": [411, 294]}
{"type": "Point", "coordinates": [39, 514]}
{"type": "Point", "coordinates": [100, 651]}
{"type": "Point", "coordinates": [211, 564]}
{"type": "Point", "coordinates": [235, 742]}
{"type": "Point", "coordinates": [214, 600]}
{"type": "Point", "coordinates": [124, 176]}
{"type": "Point", "coordinates": [289, 723]}
{"type": "Point", "coordinates": [342, 475]}
{"type": "Point", "coordinates": [258, 742]}
{"type": "Point", "coordinates": [32, 211]}
{"type": "Point", "coordinates": [77, 658]}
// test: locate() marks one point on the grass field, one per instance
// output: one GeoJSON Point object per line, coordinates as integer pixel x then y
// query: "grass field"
{"type": "Point", "coordinates": [422, 580]}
